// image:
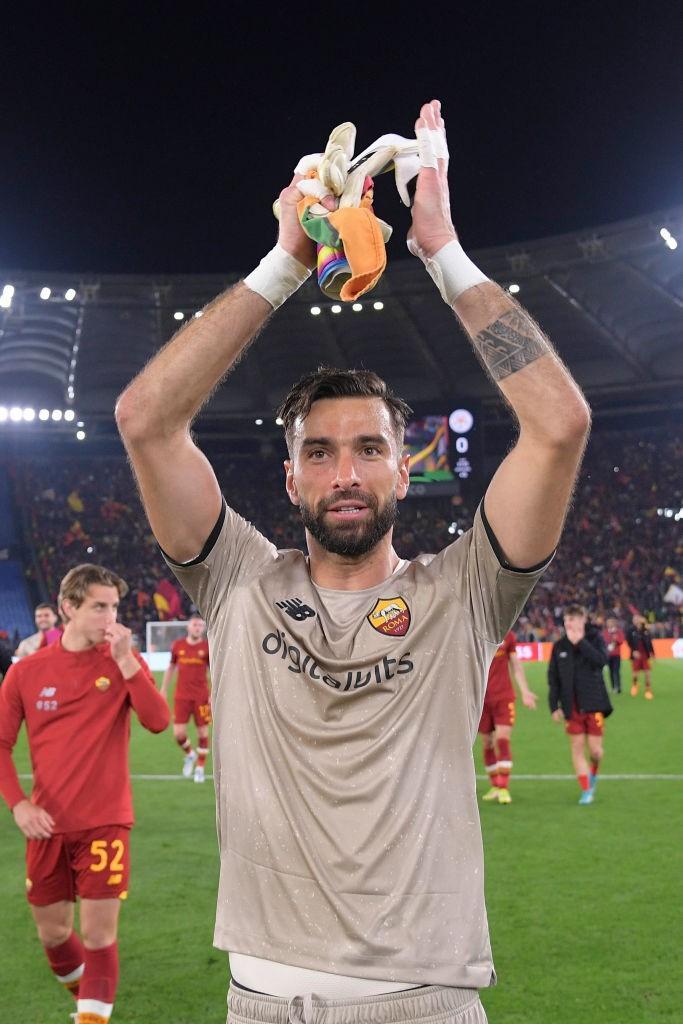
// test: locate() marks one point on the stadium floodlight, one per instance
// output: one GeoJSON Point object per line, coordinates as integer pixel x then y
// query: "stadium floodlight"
{"type": "Point", "coordinates": [6, 296]}
{"type": "Point", "coordinates": [259, 422]}
{"type": "Point", "coordinates": [357, 306]}
{"type": "Point", "coordinates": [671, 243]}
{"type": "Point", "coordinates": [453, 527]}
{"type": "Point", "coordinates": [90, 549]}
{"type": "Point", "coordinates": [198, 314]}
{"type": "Point", "coordinates": [28, 415]}
{"type": "Point", "coordinates": [69, 415]}
{"type": "Point", "coordinates": [513, 289]}
{"type": "Point", "coordinates": [178, 315]}
{"type": "Point", "coordinates": [316, 310]}
{"type": "Point", "coordinates": [378, 305]}
{"type": "Point", "coordinates": [80, 423]}
{"type": "Point", "coordinates": [80, 435]}
{"type": "Point", "coordinates": [3, 414]}
{"type": "Point", "coordinates": [279, 422]}
{"type": "Point", "coordinates": [15, 414]}
{"type": "Point", "coordinates": [335, 308]}
{"type": "Point", "coordinates": [70, 294]}
{"type": "Point", "coordinates": [45, 293]}
{"type": "Point", "coordinates": [44, 414]}
{"type": "Point", "coordinates": [664, 233]}
{"type": "Point", "coordinates": [56, 415]}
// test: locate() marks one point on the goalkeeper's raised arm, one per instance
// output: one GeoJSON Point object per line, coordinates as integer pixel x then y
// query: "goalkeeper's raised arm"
{"type": "Point", "coordinates": [154, 414]}
{"type": "Point", "coordinates": [527, 499]}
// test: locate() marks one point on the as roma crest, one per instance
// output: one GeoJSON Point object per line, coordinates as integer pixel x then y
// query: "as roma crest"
{"type": "Point", "coordinates": [391, 616]}
{"type": "Point", "coordinates": [102, 683]}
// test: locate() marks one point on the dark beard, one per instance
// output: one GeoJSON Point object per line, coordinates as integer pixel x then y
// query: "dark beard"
{"type": "Point", "coordinates": [350, 539]}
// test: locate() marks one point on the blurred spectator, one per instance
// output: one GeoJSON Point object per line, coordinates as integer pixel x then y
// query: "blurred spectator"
{"type": "Point", "coordinates": [47, 631]}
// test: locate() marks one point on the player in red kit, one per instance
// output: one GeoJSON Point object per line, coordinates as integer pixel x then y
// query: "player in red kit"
{"type": "Point", "coordinates": [498, 717]}
{"type": "Point", "coordinates": [190, 659]}
{"type": "Point", "coordinates": [75, 698]}
{"type": "Point", "coordinates": [642, 654]}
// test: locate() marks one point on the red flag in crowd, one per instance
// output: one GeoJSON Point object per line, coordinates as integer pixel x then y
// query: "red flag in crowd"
{"type": "Point", "coordinates": [167, 601]}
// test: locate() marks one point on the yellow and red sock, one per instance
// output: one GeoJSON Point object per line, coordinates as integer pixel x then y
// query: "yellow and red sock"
{"type": "Point", "coordinates": [504, 762]}
{"type": "Point", "coordinates": [595, 766]}
{"type": "Point", "coordinates": [67, 962]}
{"type": "Point", "coordinates": [583, 782]}
{"type": "Point", "coordinates": [202, 754]}
{"type": "Point", "coordinates": [184, 743]}
{"type": "Point", "coordinates": [491, 764]}
{"type": "Point", "coordinates": [98, 984]}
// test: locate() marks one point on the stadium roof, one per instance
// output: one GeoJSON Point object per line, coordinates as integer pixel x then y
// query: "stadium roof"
{"type": "Point", "coordinates": [610, 298]}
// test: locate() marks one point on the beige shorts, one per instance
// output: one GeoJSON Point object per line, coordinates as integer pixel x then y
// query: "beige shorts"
{"type": "Point", "coordinates": [434, 1003]}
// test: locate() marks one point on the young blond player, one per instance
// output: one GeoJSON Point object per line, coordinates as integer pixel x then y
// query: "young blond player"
{"type": "Point", "coordinates": [76, 697]}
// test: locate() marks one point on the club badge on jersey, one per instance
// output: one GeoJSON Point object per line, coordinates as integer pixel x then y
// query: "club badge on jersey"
{"type": "Point", "coordinates": [390, 616]}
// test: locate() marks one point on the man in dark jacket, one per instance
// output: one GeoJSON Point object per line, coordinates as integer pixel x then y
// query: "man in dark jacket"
{"type": "Point", "coordinates": [5, 659]}
{"type": "Point", "coordinates": [642, 652]}
{"type": "Point", "coordinates": [578, 695]}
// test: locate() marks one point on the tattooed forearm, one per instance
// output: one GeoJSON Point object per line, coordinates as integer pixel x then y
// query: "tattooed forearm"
{"type": "Point", "coordinates": [510, 344]}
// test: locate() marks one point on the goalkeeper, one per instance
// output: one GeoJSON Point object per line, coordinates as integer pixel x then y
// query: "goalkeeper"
{"type": "Point", "coordinates": [348, 685]}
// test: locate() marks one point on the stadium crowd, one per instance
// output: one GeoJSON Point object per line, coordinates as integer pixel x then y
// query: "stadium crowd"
{"type": "Point", "coordinates": [617, 555]}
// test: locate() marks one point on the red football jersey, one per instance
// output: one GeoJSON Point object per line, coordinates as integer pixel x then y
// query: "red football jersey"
{"type": "Point", "coordinates": [76, 706]}
{"type": "Point", "coordinates": [613, 638]}
{"type": "Point", "coordinates": [192, 661]}
{"type": "Point", "coordinates": [499, 685]}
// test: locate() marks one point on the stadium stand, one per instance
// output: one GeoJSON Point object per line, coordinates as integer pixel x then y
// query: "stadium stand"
{"type": "Point", "coordinates": [609, 297]}
{"type": "Point", "coordinates": [617, 555]}
{"type": "Point", "coordinates": [16, 620]}
{"type": "Point", "coordinates": [15, 609]}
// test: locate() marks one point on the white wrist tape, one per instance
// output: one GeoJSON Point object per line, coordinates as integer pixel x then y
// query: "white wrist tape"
{"type": "Point", "coordinates": [277, 276]}
{"type": "Point", "coordinates": [451, 269]}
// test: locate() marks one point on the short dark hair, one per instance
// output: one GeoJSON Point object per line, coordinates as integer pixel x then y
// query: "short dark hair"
{"type": "Point", "coordinates": [329, 382]}
{"type": "Point", "coordinates": [44, 604]}
{"type": "Point", "coordinates": [575, 609]}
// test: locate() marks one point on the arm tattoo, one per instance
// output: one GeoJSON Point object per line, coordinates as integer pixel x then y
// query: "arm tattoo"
{"type": "Point", "coordinates": [510, 344]}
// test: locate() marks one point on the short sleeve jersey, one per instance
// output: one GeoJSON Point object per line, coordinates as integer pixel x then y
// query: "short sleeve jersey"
{"type": "Point", "coordinates": [192, 661]}
{"type": "Point", "coordinates": [343, 729]}
{"type": "Point", "coordinates": [499, 686]}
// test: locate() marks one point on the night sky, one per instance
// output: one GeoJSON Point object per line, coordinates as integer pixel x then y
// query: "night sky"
{"type": "Point", "coordinates": [156, 143]}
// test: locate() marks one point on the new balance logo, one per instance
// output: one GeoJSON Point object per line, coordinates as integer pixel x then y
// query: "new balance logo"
{"type": "Point", "coordinates": [296, 609]}
{"type": "Point", "coordinates": [48, 691]}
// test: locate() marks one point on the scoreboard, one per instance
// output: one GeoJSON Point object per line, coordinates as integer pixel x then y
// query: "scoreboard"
{"type": "Point", "coordinates": [445, 450]}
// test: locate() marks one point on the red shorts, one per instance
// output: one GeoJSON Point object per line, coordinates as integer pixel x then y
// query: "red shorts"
{"type": "Point", "coordinates": [641, 662]}
{"type": "Point", "coordinates": [93, 864]}
{"type": "Point", "coordinates": [592, 723]}
{"type": "Point", "coordinates": [496, 712]}
{"type": "Point", "coordinates": [184, 710]}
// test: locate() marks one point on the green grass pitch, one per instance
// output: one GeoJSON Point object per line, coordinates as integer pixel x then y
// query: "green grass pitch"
{"type": "Point", "coordinates": [584, 917]}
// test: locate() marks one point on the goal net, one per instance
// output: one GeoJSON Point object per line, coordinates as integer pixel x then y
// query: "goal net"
{"type": "Point", "coordinates": [160, 635]}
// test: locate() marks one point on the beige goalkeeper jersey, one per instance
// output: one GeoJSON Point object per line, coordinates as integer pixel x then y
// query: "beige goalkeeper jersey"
{"type": "Point", "coordinates": [343, 729]}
